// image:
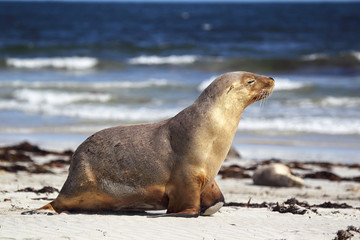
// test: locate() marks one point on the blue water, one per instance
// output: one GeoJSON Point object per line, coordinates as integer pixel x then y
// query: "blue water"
{"type": "Point", "coordinates": [121, 30]}
{"type": "Point", "coordinates": [69, 69]}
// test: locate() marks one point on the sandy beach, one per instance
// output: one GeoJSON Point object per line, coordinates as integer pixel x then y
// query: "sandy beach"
{"type": "Point", "coordinates": [71, 68]}
{"type": "Point", "coordinates": [249, 213]}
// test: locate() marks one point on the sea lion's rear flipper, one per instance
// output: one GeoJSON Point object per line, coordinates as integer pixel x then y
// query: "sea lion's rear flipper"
{"type": "Point", "coordinates": [47, 207]}
{"type": "Point", "coordinates": [211, 199]}
{"type": "Point", "coordinates": [44, 210]}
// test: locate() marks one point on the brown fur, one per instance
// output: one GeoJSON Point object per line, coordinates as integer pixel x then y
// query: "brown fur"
{"type": "Point", "coordinates": [164, 165]}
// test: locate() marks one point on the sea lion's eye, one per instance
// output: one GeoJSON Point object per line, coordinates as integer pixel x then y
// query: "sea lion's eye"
{"type": "Point", "coordinates": [250, 81]}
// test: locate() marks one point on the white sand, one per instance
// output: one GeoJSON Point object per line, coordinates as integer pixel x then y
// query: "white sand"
{"type": "Point", "coordinates": [228, 223]}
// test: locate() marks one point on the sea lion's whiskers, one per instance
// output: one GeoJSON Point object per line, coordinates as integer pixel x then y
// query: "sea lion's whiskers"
{"type": "Point", "coordinates": [263, 96]}
{"type": "Point", "coordinates": [262, 102]}
{"type": "Point", "coordinates": [259, 97]}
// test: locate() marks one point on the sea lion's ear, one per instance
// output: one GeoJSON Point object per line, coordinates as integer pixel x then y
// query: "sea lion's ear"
{"type": "Point", "coordinates": [230, 88]}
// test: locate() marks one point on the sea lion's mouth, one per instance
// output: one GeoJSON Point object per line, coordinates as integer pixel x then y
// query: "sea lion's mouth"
{"type": "Point", "coordinates": [263, 94]}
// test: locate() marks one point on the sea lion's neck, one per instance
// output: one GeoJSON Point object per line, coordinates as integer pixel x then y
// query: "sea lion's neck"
{"type": "Point", "coordinates": [206, 130]}
{"type": "Point", "coordinates": [220, 117]}
{"type": "Point", "coordinates": [216, 130]}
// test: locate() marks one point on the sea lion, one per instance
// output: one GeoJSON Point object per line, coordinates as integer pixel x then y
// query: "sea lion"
{"type": "Point", "coordinates": [169, 164]}
{"type": "Point", "coordinates": [276, 175]}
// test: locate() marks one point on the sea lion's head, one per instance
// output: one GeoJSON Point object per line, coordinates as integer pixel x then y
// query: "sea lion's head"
{"type": "Point", "coordinates": [238, 89]}
{"type": "Point", "coordinates": [256, 87]}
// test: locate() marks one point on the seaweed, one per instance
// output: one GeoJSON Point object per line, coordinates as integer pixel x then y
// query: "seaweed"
{"type": "Point", "coordinates": [46, 189]}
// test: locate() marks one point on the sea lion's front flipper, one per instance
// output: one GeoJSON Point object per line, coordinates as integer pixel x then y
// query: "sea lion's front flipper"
{"type": "Point", "coordinates": [184, 196]}
{"type": "Point", "coordinates": [211, 199]}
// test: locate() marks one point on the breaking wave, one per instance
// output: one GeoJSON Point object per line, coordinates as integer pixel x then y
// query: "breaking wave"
{"type": "Point", "coordinates": [329, 101]}
{"type": "Point", "coordinates": [355, 54]}
{"type": "Point", "coordinates": [70, 63]}
{"type": "Point", "coordinates": [322, 125]}
{"type": "Point", "coordinates": [287, 84]}
{"type": "Point", "coordinates": [152, 82]}
{"type": "Point", "coordinates": [93, 111]}
{"type": "Point", "coordinates": [280, 84]}
{"type": "Point", "coordinates": [202, 62]}
{"type": "Point", "coordinates": [35, 97]}
{"type": "Point", "coordinates": [157, 60]}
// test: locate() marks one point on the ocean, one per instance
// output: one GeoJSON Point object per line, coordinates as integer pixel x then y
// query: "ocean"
{"type": "Point", "coordinates": [69, 69]}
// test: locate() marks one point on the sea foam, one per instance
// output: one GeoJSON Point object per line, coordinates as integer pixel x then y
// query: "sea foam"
{"type": "Point", "coordinates": [35, 97]}
{"type": "Point", "coordinates": [287, 84]}
{"type": "Point", "coordinates": [96, 111]}
{"type": "Point", "coordinates": [71, 63]}
{"type": "Point", "coordinates": [92, 111]}
{"type": "Point", "coordinates": [315, 56]}
{"type": "Point", "coordinates": [341, 101]}
{"type": "Point", "coordinates": [327, 101]}
{"type": "Point", "coordinates": [280, 84]}
{"type": "Point", "coordinates": [157, 60]}
{"type": "Point", "coordinates": [120, 113]}
{"type": "Point", "coordinates": [307, 124]}
{"type": "Point", "coordinates": [355, 54]}
{"type": "Point", "coordinates": [152, 82]}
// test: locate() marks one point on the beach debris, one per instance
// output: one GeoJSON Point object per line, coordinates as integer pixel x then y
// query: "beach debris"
{"type": "Point", "coordinates": [42, 212]}
{"type": "Point", "coordinates": [289, 208]}
{"type": "Point", "coordinates": [34, 168]}
{"type": "Point", "coordinates": [323, 175]}
{"type": "Point", "coordinates": [13, 156]}
{"type": "Point", "coordinates": [43, 199]}
{"type": "Point", "coordinates": [248, 204]}
{"type": "Point", "coordinates": [233, 171]}
{"type": "Point", "coordinates": [347, 234]}
{"type": "Point", "coordinates": [330, 176]}
{"type": "Point", "coordinates": [20, 158]}
{"type": "Point", "coordinates": [276, 175]}
{"type": "Point", "coordinates": [343, 235]}
{"type": "Point", "coordinates": [58, 163]}
{"type": "Point", "coordinates": [330, 165]}
{"type": "Point", "coordinates": [39, 169]}
{"type": "Point", "coordinates": [333, 205]}
{"type": "Point", "coordinates": [355, 165]}
{"type": "Point", "coordinates": [298, 165]}
{"type": "Point", "coordinates": [46, 189]}
{"type": "Point", "coordinates": [26, 147]}
{"type": "Point", "coordinates": [13, 168]}
{"type": "Point", "coordinates": [294, 201]}
{"type": "Point", "coordinates": [291, 205]}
